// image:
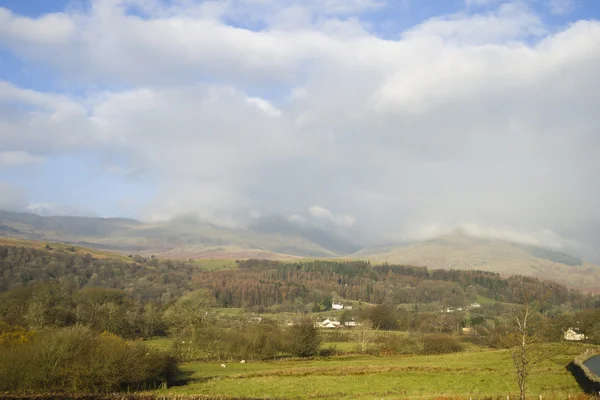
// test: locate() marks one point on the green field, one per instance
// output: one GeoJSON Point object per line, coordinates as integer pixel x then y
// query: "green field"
{"type": "Point", "coordinates": [211, 264]}
{"type": "Point", "coordinates": [474, 373]}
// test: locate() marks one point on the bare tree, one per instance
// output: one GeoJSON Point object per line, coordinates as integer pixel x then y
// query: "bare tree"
{"type": "Point", "coordinates": [525, 352]}
{"type": "Point", "coordinates": [364, 335]}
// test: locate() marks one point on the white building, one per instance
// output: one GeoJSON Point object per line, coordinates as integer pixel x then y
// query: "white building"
{"type": "Point", "coordinates": [573, 336]}
{"type": "Point", "coordinates": [329, 324]}
{"type": "Point", "coordinates": [337, 306]}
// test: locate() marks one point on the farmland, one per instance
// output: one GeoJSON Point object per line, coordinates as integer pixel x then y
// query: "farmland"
{"type": "Point", "coordinates": [478, 373]}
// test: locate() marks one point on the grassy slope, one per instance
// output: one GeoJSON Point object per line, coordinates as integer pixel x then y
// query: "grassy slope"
{"type": "Point", "coordinates": [41, 245]}
{"type": "Point", "coordinates": [207, 263]}
{"type": "Point", "coordinates": [481, 373]}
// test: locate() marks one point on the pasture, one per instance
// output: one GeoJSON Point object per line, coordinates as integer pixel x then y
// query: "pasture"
{"type": "Point", "coordinates": [477, 373]}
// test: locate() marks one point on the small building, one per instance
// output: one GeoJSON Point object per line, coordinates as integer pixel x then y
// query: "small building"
{"type": "Point", "coordinates": [337, 306]}
{"type": "Point", "coordinates": [475, 305]}
{"type": "Point", "coordinates": [329, 324]}
{"type": "Point", "coordinates": [350, 323]}
{"type": "Point", "coordinates": [573, 335]}
{"type": "Point", "coordinates": [466, 330]}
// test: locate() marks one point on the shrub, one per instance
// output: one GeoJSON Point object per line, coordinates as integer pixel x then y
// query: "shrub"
{"type": "Point", "coordinates": [78, 360]}
{"type": "Point", "coordinates": [303, 338]}
{"type": "Point", "coordinates": [441, 344]}
{"type": "Point", "coordinates": [395, 344]}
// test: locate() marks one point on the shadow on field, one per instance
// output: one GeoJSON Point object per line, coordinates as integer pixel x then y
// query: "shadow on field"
{"type": "Point", "coordinates": [185, 378]}
{"type": "Point", "coordinates": [583, 381]}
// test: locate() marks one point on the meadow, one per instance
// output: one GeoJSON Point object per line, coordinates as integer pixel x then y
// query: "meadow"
{"type": "Point", "coordinates": [477, 373]}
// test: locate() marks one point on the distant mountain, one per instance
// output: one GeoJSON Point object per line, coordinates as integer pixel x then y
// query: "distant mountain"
{"type": "Point", "coordinates": [183, 237]}
{"type": "Point", "coordinates": [459, 251]}
{"type": "Point", "coordinates": [276, 225]}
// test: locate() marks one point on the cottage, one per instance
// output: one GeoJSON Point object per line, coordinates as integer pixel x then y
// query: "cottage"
{"type": "Point", "coordinates": [337, 306]}
{"type": "Point", "coordinates": [573, 335]}
{"type": "Point", "coordinates": [329, 324]}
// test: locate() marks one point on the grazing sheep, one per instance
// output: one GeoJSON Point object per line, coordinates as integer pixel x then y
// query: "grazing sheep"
{"type": "Point", "coordinates": [243, 362]}
{"type": "Point", "coordinates": [223, 366]}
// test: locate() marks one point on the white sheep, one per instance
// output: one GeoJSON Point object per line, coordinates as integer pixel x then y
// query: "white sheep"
{"type": "Point", "coordinates": [243, 362]}
{"type": "Point", "coordinates": [223, 366]}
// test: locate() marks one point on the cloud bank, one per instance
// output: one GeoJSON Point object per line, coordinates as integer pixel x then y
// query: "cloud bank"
{"type": "Point", "coordinates": [486, 116]}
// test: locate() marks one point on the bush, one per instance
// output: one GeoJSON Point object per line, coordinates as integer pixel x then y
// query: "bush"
{"type": "Point", "coordinates": [78, 360]}
{"type": "Point", "coordinates": [441, 344]}
{"type": "Point", "coordinates": [328, 351]}
{"type": "Point", "coordinates": [303, 338]}
{"type": "Point", "coordinates": [395, 344]}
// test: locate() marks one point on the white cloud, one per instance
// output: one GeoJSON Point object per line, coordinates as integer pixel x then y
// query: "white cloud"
{"type": "Point", "coordinates": [52, 209]}
{"type": "Point", "coordinates": [49, 29]}
{"type": "Point", "coordinates": [543, 238]}
{"type": "Point", "coordinates": [12, 197]}
{"type": "Point", "coordinates": [264, 105]}
{"type": "Point", "coordinates": [18, 158]}
{"type": "Point", "coordinates": [255, 214]}
{"type": "Point", "coordinates": [487, 118]}
{"type": "Point", "coordinates": [511, 21]}
{"type": "Point", "coordinates": [297, 219]}
{"type": "Point", "coordinates": [340, 220]}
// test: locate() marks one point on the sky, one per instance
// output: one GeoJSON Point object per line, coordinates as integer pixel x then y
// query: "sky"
{"type": "Point", "coordinates": [386, 120]}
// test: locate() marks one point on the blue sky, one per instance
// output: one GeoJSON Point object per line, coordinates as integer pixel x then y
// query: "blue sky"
{"type": "Point", "coordinates": [405, 118]}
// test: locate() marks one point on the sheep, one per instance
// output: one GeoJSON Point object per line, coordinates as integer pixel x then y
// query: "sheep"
{"type": "Point", "coordinates": [243, 362]}
{"type": "Point", "coordinates": [223, 366]}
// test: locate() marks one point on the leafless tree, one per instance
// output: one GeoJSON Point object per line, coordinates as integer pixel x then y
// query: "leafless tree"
{"type": "Point", "coordinates": [364, 335]}
{"type": "Point", "coordinates": [526, 338]}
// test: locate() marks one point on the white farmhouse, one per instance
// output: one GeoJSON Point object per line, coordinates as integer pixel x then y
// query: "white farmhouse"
{"type": "Point", "coordinates": [337, 306]}
{"type": "Point", "coordinates": [329, 324]}
{"type": "Point", "coordinates": [573, 336]}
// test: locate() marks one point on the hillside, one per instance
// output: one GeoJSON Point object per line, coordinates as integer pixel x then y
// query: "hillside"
{"type": "Point", "coordinates": [462, 252]}
{"type": "Point", "coordinates": [184, 237]}
{"type": "Point", "coordinates": [275, 238]}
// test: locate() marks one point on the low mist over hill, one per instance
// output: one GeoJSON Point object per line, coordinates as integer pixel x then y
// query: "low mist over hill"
{"type": "Point", "coordinates": [182, 237]}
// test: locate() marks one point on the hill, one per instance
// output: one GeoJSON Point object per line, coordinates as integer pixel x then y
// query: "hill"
{"type": "Point", "coordinates": [183, 237]}
{"type": "Point", "coordinates": [276, 238]}
{"type": "Point", "coordinates": [458, 251]}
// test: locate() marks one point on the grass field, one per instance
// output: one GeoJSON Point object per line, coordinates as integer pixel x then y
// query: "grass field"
{"type": "Point", "coordinates": [211, 264]}
{"type": "Point", "coordinates": [475, 373]}
{"type": "Point", "coordinates": [61, 247]}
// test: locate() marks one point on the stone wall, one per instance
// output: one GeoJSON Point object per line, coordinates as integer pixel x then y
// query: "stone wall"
{"type": "Point", "coordinates": [588, 381]}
